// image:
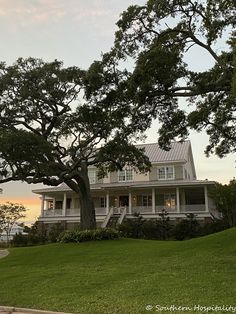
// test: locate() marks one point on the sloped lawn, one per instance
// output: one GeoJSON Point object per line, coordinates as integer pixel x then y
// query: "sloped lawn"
{"type": "Point", "coordinates": [122, 276]}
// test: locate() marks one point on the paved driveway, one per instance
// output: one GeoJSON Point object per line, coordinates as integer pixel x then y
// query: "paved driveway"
{"type": "Point", "coordinates": [15, 310]}
{"type": "Point", "coordinates": [3, 253]}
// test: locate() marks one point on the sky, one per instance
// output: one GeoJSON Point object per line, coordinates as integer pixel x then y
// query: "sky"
{"type": "Point", "coordinates": [77, 32]}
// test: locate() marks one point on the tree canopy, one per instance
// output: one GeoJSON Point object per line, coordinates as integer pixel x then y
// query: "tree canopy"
{"type": "Point", "coordinates": [10, 213]}
{"type": "Point", "coordinates": [55, 122]}
{"type": "Point", "coordinates": [224, 196]}
{"type": "Point", "coordinates": [157, 37]}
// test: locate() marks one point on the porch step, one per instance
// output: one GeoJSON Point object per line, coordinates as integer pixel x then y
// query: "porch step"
{"type": "Point", "coordinates": [113, 221]}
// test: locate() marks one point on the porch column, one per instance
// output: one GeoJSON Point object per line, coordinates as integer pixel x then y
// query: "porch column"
{"type": "Point", "coordinates": [42, 205]}
{"type": "Point", "coordinates": [153, 201]}
{"type": "Point", "coordinates": [72, 203]}
{"type": "Point", "coordinates": [107, 202]}
{"type": "Point", "coordinates": [177, 200]}
{"type": "Point", "coordinates": [64, 205]}
{"type": "Point", "coordinates": [54, 204]}
{"type": "Point", "coordinates": [130, 202]}
{"type": "Point", "coordinates": [206, 199]}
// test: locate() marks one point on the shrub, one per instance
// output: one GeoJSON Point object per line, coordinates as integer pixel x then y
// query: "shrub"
{"type": "Point", "coordinates": [132, 228]}
{"type": "Point", "coordinates": [88, 235]}
{"type": "Point", "coordinates": [214, 226]}
{"type": "Point", "coordinates": [54, 232]}
{"type": "Point", "coordinates": [20, 239]}
{"type": "Point", "coordinates": [187, 228]}
{"type": "Point", "coordinates": [156, 230]}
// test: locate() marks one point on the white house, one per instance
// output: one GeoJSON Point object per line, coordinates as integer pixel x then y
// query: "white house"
{"type": "Point", "coordinates": [171, 184]}
{"type": "Point", "coordinates": [16, 229]}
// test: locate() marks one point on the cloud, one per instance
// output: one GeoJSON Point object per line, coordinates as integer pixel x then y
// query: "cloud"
{"type": "Point", "coordinates": [25, 12]}
{"type": "Point", "coordinates": [30, 12]}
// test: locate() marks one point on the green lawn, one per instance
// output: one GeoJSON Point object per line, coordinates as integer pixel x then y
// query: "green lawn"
{"type": "Point", "coordinates": [122, 276]}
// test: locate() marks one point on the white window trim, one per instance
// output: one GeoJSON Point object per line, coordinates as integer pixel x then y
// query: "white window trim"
{"type": "Point", "coordinates": [104, 202]}
{"type": "Point", "coordinates": [125, 175]}
{"type": "Point", "coordinates": [168, 196]}
{"type": "Point", "coordinates": [146, 195]}
{"type": "Point", "coordinates": [171, 166]}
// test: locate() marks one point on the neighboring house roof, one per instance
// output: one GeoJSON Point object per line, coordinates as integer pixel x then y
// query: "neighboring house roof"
{"type": "Point", "coordinates": [15, 229]}
{"type": "Point", "coordinates": [178, 152]}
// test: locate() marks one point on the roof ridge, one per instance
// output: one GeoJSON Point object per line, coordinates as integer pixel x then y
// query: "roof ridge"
{"type": "Point", "coordinates": [154, 143]}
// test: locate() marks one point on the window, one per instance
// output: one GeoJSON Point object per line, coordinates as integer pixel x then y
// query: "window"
{"type": "Point", "coordinates": [103, 202]}
{"type": "Point", "coordinates": [50, 204]}
{"type": "Point", "coordinates": [146, 200]}
{"type": "Point", "coordinates": [92, 174]}
{"type": "Point", "coordinates": [169, 200]}
{"type": "Point", "coordinates": [165, 173]}
{"type": "Point", "coordinates": [125, 175]}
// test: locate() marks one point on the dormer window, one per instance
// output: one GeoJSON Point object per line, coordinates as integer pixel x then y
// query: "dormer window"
{"type": "Point", "coordinates": [125, 175]}
{"type": "Point", "coordinates": [166, 173]}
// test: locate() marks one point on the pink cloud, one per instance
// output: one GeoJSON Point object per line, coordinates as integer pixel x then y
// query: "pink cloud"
{"type": "Point", "coordinates": [28, 12]}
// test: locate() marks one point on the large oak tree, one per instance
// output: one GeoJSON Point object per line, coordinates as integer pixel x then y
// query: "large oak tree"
{"type": "Point", "coordinates": [157, 37]}
{"type": "Point", "coordinates": [56, 122]}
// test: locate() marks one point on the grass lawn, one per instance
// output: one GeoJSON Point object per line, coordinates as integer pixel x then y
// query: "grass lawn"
{"type": "Point", "coordinates": [122, 276]}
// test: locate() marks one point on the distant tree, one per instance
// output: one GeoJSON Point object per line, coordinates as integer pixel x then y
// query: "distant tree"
{"type": "Point", "coordinates": [157, 37]}
{"type": "Point", "coordinates": [56, 122]}
{"type": "Point", "coordinates": [10, 213]}
{"type": "Point", "coordinates": [224, 196]}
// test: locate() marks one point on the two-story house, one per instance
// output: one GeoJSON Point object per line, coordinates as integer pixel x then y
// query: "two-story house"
{"type": "Point", "coordinates": [171, 184]}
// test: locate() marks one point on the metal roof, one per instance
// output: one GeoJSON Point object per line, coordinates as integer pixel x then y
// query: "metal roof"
{"type": "Point", "coordinates": [179, 151]}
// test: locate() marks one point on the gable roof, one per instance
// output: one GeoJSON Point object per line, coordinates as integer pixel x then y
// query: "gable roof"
{"type": "Point", "coordinates": [178, 152]}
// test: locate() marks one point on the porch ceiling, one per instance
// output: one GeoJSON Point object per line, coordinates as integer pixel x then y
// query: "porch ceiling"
{"type": "Point", "coordinates": [129, 185]}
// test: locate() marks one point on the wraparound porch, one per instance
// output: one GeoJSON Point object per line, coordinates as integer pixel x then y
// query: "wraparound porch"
{"type": "Point", "coordinates": [144, 201]}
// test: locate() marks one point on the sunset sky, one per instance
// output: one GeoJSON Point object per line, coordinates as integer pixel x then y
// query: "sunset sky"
{"type": "Point", "coordinates": [76, 32]}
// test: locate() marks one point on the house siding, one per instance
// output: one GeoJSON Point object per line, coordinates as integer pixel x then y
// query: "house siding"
{"type": "Point", "coordinates": [113, 177]}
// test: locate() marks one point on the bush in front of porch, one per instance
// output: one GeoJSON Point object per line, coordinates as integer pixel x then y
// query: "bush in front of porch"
{"type": "Point", "coordinates": [164, 229]}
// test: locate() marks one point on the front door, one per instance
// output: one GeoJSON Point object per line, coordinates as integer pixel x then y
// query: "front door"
{"type": "Point", "coordinates": [124, 200]}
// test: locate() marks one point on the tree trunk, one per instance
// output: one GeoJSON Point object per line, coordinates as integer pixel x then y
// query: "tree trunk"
{"type": "Point", "coordinates": [81, 186]}
{"type": "Point", "coordinates": [87, 210]}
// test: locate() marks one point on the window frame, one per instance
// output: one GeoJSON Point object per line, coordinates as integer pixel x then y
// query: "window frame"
{"type": "Point", "coordinates": [148, 200]}
{"type": "Point", "coordinates": [126, 175]}
{"type": "Point", "coordinates": [103, 202]}
{"type": "Point", "coordinates": [171, 197]}
{"type": "Point", "coordinates": [165, 173]}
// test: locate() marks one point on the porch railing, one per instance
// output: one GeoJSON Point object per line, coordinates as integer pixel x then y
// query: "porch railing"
{"type": "Point", "coordinates": [105, 222]}
{"type": "Point", "coordinates": [160, 208]}
{"type": "Point", "coordinates": [192, 208]}
{"type": "Point", "coordinates": [141, 209]}
{"type": "Point", "coordinates": [100, 211]}
{"type": "Point", "coordinates": [52, 212]}
{"type": "Point", "coordinates": [72, 212]}
{"type": "Point", "coordinates": [122, 216]}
